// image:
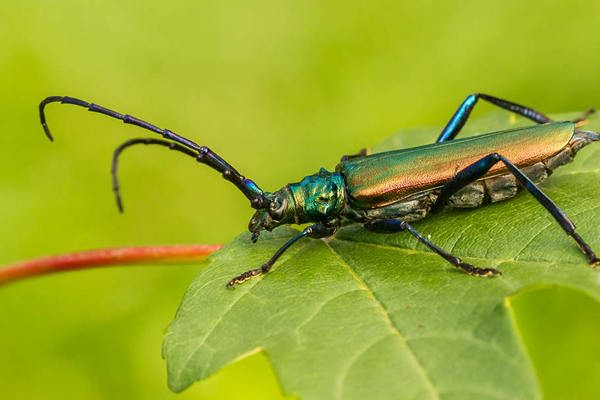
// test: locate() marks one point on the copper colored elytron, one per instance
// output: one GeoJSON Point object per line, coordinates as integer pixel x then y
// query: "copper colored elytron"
{"type": "Point", "coordinates": [381, 179]}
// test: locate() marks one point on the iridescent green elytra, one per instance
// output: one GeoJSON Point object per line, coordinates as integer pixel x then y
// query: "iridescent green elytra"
{"type": "Point", "coordinates": [386, 191]}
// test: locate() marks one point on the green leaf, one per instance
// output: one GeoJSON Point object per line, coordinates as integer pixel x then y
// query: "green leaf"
{"type": "Point", "coordinates": [367, 315]}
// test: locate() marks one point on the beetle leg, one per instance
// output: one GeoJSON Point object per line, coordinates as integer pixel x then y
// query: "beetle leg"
{"type": "Point", "coordinates": [461, 115]}
{"type": "Point", "coordinates": [479, 168]}
{"type": "Point", "coordinates": [361, 153]}
{"type": "Point", "coordinates": [318, 230]}
{"type": "Point", "coordinates": [583, 118]}
{"type": "Point", "coordinates": [395, 225]}
{"type": "Point", "coordinates": [205, 155]}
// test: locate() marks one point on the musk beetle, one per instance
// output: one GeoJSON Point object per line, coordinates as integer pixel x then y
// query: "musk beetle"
{"type": "Point", "coordinates": [387, 191]}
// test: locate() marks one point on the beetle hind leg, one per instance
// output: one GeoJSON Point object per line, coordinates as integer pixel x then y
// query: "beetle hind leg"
{"type": "Point", "coordinates": [394, 225]}
{"type": "Point", "coordinates": [460, 117]}
{"type": "Point", "coordinates": [479, 168]}
{"type": "Point", "coordinates": [582, 120]}
{"type": "Point", "coordinates": [361, 153]}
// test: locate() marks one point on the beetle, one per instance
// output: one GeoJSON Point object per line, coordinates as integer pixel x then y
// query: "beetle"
{"type": "Point", "coordinates": [388, 191]}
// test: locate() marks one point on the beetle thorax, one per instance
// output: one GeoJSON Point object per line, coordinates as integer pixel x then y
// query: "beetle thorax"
{"type": "Point", "coordinates": [318, 197]}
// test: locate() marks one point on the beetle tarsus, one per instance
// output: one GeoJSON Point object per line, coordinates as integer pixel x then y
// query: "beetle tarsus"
{"type": "Point", "coordinates": [477, 271]}
{"type": "Point", "coordinates": [243, 277]}
{"type": "Point", "coordinates": [586, 249]}
{"type": "Point", "coordinates": [395, 225]}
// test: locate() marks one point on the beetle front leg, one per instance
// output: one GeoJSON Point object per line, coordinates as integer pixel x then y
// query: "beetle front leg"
{"type": "Point", "coordinates": [395, 225]}
{"type": "Point", "coordinates": [316, 231]}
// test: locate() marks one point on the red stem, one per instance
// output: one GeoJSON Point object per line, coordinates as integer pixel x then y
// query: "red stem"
{"type": "Point", "coordinates": [105, 257]}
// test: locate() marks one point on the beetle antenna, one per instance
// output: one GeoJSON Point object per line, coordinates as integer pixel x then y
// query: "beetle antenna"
{"type": "Point", "coordinates": [146, 141]}
{"type": "Point", "coordinates": [202, 153]}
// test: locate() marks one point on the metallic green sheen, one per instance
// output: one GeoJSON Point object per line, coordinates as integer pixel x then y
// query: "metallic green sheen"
{"type": "Point", "coordinates": [318, 197]}
{"type": "Point", "coordinates": [385, 178]}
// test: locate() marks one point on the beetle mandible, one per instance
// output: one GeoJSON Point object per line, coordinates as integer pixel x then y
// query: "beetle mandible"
{"type": "Point", "coordinates": [387, 191]}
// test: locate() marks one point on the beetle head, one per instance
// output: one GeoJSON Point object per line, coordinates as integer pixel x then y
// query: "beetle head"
{"type": "Point", "coordinates": [280, 211]}
{"type": "Point", "coordinates": [318, 197]}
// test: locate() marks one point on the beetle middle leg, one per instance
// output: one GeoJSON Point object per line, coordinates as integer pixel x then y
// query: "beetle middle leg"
{"type": "Point", "coordinates": [479, 168]}
{"type": "Point", "coordinates": [395, 225]}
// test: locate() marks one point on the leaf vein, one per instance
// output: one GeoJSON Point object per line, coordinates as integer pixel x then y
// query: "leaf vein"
{"type": "Point", "coordinates": [427, 379]}
{"type": "Point", "coordinates": [320, 309]}
{"type": "Point", "coordinates": [202, 341]}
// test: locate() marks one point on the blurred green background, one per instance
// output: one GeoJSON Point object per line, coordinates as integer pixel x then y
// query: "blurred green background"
{"type": "Point", "coordinates": [277, 88]}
